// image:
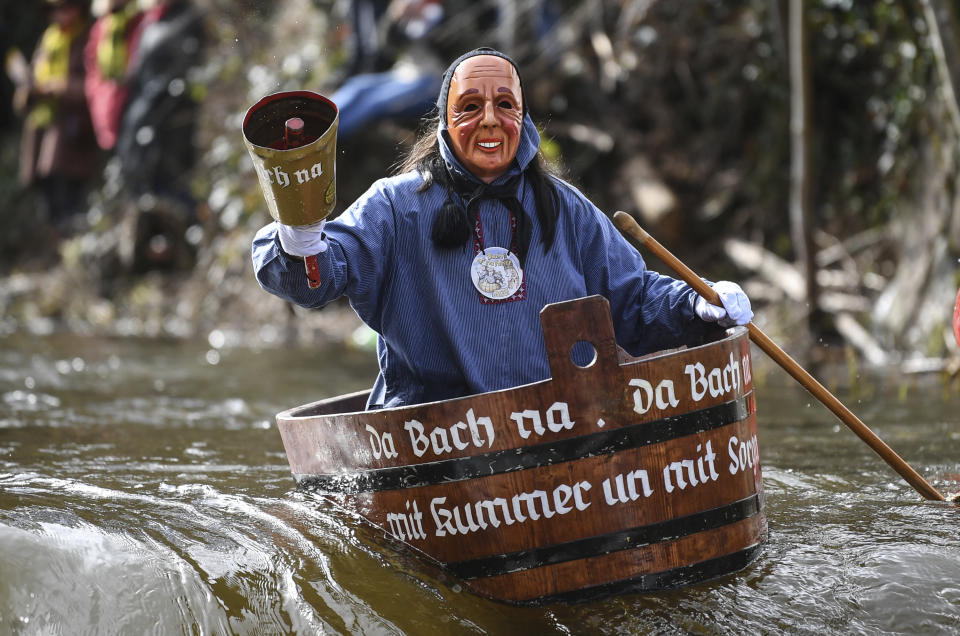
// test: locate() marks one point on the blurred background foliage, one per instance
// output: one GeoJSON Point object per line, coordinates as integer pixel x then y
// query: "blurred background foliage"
{"type": "Point", "coordinates": [678, 112]}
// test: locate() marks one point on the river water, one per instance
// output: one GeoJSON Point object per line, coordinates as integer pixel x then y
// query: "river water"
{"type": "Point", "coordinates": [144, 490]}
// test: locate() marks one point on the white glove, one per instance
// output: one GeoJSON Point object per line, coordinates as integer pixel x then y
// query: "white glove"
{"type": "Point", "coordinates": [302, 240]}
{"type": "Point", "coordinates": [736, 306]}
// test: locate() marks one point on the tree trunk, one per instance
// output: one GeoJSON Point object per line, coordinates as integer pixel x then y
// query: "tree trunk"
{"type": "Point", "coordinates": [943, 21]}
{"type": "Point", "coordinates": [913, 312]}
{"type": "Point", "coordinates": [801, 131]}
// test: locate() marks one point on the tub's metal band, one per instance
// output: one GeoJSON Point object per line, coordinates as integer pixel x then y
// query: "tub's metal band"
{"type": "Point", "coordinates": [604, 544]}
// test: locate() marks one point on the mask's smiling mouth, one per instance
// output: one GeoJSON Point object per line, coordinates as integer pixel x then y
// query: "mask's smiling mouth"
{"type": "Point", "coordinates": [489, 144]}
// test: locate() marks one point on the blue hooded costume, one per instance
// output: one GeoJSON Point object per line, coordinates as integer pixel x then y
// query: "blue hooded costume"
{"type": "Point", "coordinates": [439, 338]}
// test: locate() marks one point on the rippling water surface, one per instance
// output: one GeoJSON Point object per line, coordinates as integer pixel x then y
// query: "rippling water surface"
{"type": "Point", "coordinates": [144, 489]}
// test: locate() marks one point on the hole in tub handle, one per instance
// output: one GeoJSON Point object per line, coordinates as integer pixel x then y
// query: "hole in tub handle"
{"type": "Point", "coordinates": [583, 354]}
{"type": "Point", "coordinates": [579, 336]}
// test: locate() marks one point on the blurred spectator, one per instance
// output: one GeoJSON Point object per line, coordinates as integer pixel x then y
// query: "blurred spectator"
{"type": "Point", "coordinates": [106, 60]}
{"type": "Point", "coordinates": [155, 149]}
{"type": "Point", "coordinates": [398, 50]}
{"type": "Point", "coordinates": [156, 141]}
{"type": "Point", "coordinates": [20, 29]}
{"type": "Point", "coordinates": [404, 91]}
{"type": "Point", "coordinates": [58, 151]}
{"type": "Point", "coordinates": [365, 46]}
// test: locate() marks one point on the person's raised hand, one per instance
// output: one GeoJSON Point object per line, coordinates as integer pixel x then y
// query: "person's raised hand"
{"type": "Point", "coordinates": [302, 240]}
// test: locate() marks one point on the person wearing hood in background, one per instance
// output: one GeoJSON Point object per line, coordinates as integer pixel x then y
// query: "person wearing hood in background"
{"type": "Point", "coordinates": [58, 153]}
{"type": "Point", "coordinates": [451, 260]}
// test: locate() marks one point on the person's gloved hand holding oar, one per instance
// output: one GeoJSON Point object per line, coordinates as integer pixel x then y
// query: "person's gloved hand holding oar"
{"type": "Point", "coordinates": [629, 226]}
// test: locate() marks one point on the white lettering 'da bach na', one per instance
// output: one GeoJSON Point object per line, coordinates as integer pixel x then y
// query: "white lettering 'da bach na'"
{"type": "Point", "coordinates": [718, 381]}
{"type": "Point", "coordinates": [381, 444]}
{"type": "Point", "coordinates": [558, 419]}
{"type": "Point", "coordinates": [444, 440]}
{"type": "Point", "coordinates": [646, 395]}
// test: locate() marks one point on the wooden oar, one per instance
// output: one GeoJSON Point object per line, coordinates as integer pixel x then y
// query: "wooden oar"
{"type": "Point", "coordinates": [629, 226]}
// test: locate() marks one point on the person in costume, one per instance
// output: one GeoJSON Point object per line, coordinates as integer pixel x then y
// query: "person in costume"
{"type": "Point", "coordinates": [451, 260]}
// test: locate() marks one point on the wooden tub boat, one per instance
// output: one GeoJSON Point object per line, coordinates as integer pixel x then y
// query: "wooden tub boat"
{"type": "Point", "coordinates": [628, 474]}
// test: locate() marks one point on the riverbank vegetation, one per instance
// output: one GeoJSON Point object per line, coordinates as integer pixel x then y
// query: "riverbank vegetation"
{"type": "Point", "coordinates": [756, 144]}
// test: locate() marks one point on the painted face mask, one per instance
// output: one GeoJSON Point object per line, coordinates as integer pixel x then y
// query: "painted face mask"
{"type": "Point", "coordinates": [484, 115]}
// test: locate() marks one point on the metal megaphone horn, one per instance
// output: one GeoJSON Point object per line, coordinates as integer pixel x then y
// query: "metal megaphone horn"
{"type": "Point", "coordinates": [292, 139]}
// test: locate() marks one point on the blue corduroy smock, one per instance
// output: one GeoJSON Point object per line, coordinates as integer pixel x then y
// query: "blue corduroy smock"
{"type": "Point", "coordinates": [437, 340]}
